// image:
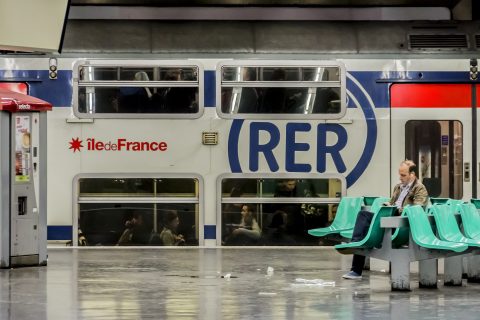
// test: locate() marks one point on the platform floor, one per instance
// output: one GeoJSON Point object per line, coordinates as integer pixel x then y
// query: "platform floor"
{"type": "Point", "coordinates": [194, 284]}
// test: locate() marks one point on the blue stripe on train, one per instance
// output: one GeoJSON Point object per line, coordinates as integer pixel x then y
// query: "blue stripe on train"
{"type": "Point", "coordinates": [376, 83]}
{"type": "Point", "coordinates": [209, 88]}
{"type": "Point", "coordinates": [210, 232]}
{"type": "Point", "coordinates": [59, 232]}
{"type": "Point", "coordinates": [58, 92]}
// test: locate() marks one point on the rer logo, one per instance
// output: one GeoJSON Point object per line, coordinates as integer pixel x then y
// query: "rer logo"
{"type": "Point", "coordinates": [279, 146]}
{"type": "Point", "coordinates": [121, 144]}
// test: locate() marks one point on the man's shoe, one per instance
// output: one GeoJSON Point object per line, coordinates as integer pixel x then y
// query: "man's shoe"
{"type": "Point", "coordinates": [352, 275]}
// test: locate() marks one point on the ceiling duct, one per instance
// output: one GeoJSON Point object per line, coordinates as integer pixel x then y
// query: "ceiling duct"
{"type": "Point", "coordinates": [438, 41]}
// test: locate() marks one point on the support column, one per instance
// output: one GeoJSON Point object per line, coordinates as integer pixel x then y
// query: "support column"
{"type": "Point", "coordinates": [473, 270]}
{"type": "Point", "coordinates": [428, 273]}
{"type": "Point", "coordinates": [400, 271]}
{"type": "Point", "coordinates": [453, 271]}
{"type": "Point", "coordinates": [367, 264]}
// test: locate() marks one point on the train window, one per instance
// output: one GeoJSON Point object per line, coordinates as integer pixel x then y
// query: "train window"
{"type": "Point", "coordinates": [113, 90]}
{"type": "Point", "coordinates": [437, 148]}
{"type": "Point", "coordinates": [271, 90]}
{"type": "Point", "coordinates": [138, 211]}
{"type": "Point", "coordinates": [276, 211]}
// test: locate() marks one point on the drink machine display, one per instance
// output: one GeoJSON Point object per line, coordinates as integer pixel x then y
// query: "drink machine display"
{"type": "Point", "coordinates": [23, 185]}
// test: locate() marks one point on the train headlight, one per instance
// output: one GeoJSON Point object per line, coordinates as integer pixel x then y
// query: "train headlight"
{"type": "Point", "coordinates": [52, 74]}
{"type": "Point", "coordinates": [473, 69]}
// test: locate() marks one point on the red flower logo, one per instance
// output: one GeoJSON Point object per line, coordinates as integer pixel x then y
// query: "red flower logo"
{"type": "Point", "coordinates": [76, 144]}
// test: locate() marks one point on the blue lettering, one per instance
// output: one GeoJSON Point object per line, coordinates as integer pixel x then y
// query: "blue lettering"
{"type": "Point", "coordinates": [291, 146]}
{"type": "Point", "coordinates": [266, 149]}
{"type": "Point", "coordinates": [334, 150]}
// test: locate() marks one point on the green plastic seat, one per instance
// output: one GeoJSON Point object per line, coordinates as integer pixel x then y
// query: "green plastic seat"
{"type": "Point", "coordinates": [470, 220]}
{"type": "Point", "coordinates": [439, 200]}
{"type": "Point", "coordinates": [447, 226]}
{"type": "Point", "coordinates": [454, 202]}
{"type": "Point", "coordinates": [374, 237]}
{"type": "Point", "coordinates": [476, 202]}
{"type": "Point", "coordinates": [422, 232]}
{"type": "Point", "coordinates": [369, 200]}
{"type": "Point", "coordinates": [345, 218]}
{"type": "Point", "coordinates": [375, 206]}
{"type": "Point", "coordinates": [401, 235]}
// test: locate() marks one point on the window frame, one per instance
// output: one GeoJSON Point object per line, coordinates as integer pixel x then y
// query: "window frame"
{"type": "Point", "coordinates": [286, 84]}
{"type": "Point", "coordinates": [149, 84]}
{"type": "Point", "coordinates": [257, 200]}
{"type": "Point", "coordinates": [77, 200]}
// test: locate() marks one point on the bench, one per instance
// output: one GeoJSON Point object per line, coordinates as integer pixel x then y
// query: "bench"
{"type": "Point", "coordinates": [423, 246]}
{"type": "Point", "coordinates": [446, 220]}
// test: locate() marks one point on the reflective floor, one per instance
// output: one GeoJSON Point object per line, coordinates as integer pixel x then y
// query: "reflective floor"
{"type": "Point", "coordinates": [218, 284]}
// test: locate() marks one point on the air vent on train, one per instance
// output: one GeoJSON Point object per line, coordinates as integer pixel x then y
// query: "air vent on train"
{"type": "Point", "coordinates": [477, 41]}
{"type": "Point", "coordinates": [438, 41]}
{"type": "Point", "coordinates": [210, 138]}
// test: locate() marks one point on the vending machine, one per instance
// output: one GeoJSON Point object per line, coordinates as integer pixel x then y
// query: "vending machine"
{"type": "Point", "coordinates": [23, 185]}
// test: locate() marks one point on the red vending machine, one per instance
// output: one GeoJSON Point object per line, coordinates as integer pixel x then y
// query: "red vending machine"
{"type": "Point", "coordinates": [23, 185]}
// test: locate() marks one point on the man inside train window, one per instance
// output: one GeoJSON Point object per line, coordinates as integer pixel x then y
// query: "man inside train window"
{"type": "Point", "coordinates": [327, 100]}
{"type": "Point", "coordinates": [247, 232]}
{"type": "Point", "coordinates": [136, 231]}
{"type": "Point", "coordinates": [180, 99]}
{"type": "Point", "coordinates": [408, 192]}
{"type": "Point", "coordinates": [276, 233]}
{"type": "Point", "coordinates": [274, 99]}
{"type": "Point", "coordinates": [135, 99]}
{"type": "Point", "coordinates": [249, 96]}
{"type": "Point", "coordinates": [297, 219]}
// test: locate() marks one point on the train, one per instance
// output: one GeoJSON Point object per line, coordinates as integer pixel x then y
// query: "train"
{"type": "Point", "coordinates": [265, 133]}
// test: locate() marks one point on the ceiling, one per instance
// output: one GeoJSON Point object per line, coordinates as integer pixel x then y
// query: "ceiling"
{"type": "Point", "coordinates": [277, 3]}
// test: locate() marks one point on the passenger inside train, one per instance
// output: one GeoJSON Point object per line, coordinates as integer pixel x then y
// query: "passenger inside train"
{"type": "Point", "coordinates": [136, 231]}
{"type": "Point", "coordinates": [169, 235]}
{"type": "Point", "coordinates": [276, 234]}
{"type": "Point", "coordinates": [247, 231]}
{"type": "Point", "coordinates": [298, 216]}
{"type": "Point", "coordinates": [180, 99]}
{"type": "Point", "coordinates": [284, 221]}
{"type": "Point", "coordinates": [250, 97]}
{"type": "Point", "coordinates": [128, 98]}
{"type": "Point", "coordinates": [274, 99]}
{"type": "Point", "coordinates": [135, 99]}
{"type": "Point", "coordinates": [283, 98]}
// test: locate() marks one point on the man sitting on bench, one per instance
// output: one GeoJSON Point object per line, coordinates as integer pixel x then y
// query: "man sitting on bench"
{"type": "Point", "coordinates": [408, 192]}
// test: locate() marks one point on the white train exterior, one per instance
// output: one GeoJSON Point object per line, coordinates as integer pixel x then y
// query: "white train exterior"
{"type": "Point", "coordinates": [391, 108]}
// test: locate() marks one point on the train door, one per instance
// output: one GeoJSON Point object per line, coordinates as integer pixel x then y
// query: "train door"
{"type": "Point", "coordinates": [431, 125]}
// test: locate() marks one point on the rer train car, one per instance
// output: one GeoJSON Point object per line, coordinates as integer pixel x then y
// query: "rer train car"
{"type": "Point", "coordinates": [214, 148]}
